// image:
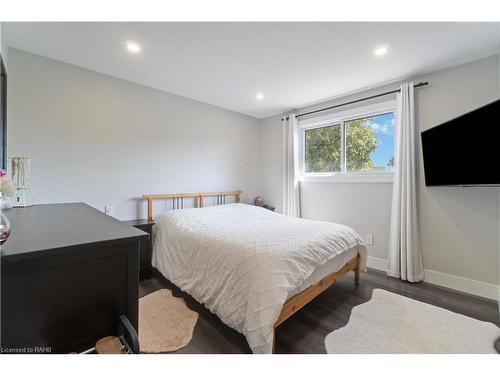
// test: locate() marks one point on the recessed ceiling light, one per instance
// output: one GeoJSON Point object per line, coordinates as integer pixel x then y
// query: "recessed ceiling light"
{"type": "Point", "coordinates": [132, 47]}
{"type": "Point", "coordinates": [259, 96]}
{"type": "Point", "coordinates": [381, 51]}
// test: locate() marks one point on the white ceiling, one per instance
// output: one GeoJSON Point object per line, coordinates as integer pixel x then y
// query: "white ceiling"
{"type": "Point", "coordinates": [227, 64]}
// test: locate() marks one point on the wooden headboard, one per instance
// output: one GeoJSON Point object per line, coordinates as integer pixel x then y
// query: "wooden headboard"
{"type": "Point", "coordinates": [178, 199]}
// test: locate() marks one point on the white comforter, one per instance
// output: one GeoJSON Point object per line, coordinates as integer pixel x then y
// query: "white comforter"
{"type": "Point", "coordinates": [242, 261]}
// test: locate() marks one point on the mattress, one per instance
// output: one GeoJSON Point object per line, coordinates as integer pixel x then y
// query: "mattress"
{"type": "Point", "coordinates": [244, 262]}
{"type": "Point", "coordinates": [323, 270]}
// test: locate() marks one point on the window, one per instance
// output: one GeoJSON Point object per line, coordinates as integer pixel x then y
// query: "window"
{"type": "Point", "coordinates": [370, 143]}
{"type": "Point", "coordinates": [323, 149]}
{"type": "Point", "coordinates": [355, 143]}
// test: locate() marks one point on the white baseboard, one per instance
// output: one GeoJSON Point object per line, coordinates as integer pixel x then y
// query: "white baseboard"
{"type": "Point", "coordinates": [463, 284]}
{"type": "Point", "coordinates": [377, 263]}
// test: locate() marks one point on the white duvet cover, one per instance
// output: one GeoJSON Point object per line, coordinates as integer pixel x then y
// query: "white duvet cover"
{"type": "Point", "coordinates": [243, 262]}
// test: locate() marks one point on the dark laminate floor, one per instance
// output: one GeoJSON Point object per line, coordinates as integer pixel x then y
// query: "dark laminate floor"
{"type": "Point", "coordinates": [306, 330]}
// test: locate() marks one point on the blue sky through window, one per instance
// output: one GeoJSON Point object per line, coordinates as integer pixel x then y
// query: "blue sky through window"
{"type": "Point", "coordinates": [385, 128]}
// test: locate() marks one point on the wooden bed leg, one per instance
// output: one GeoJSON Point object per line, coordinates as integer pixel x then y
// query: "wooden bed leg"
{"type": "Point", "coordinates": [356, 273]}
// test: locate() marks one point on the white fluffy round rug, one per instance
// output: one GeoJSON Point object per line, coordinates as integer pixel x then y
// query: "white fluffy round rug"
{"type": "Point", "coordinates": [390, 323]}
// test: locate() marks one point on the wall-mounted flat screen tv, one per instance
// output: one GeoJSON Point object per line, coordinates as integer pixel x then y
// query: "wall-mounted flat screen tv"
{"type": "Point", "coordinates": [464, 151]}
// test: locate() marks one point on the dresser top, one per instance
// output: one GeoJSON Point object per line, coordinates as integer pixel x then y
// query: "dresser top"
{"type": "Point", "coordinates": [140, 222]}
{"type": "Point", "coordinates": [45, 228]}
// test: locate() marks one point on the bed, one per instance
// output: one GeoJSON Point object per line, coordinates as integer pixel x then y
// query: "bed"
{"type": "Point", "coordinates": [252, 267]}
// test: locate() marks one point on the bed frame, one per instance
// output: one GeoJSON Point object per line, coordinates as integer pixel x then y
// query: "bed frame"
{"type": "Point", "coordinates": [293, 304]}
{"type": "Point", "coordinates": [178, 199]}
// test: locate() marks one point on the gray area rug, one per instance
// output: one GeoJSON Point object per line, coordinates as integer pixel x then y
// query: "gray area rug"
{"type": "Point", "coordinates": [390, 323]}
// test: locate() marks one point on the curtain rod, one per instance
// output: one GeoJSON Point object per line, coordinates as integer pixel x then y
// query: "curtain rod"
{"type": "Point", "coordinates": [420, 84]}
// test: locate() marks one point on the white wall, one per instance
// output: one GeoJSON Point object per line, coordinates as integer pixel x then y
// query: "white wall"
{"type": "Point", "coordinates": [459, 226]}
{"type": "Point", "coordinates": [3, 46]}
{"type": "Point", "coordinates": [364, 207]}
{"type": "Point", "coordinates": [102, 140]}
{"type": "Point", "coordinates": [271, 172]}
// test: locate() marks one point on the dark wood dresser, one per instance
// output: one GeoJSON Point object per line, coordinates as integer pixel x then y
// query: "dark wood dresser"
{"type": "Point", "coordinates": [68, 272]}
{"type": "Point", "coordinates": [145, 267]}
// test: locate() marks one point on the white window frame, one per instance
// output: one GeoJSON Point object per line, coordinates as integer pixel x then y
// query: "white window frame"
{"type": "Point", "coordinates": [340, 118]}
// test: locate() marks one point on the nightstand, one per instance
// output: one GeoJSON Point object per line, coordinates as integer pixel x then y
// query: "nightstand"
{"type": "Point", "coordinates": [145, 267]}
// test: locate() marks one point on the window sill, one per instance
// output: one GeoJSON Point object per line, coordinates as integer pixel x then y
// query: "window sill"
{"type": "Point", "coordinates": [380, 178]}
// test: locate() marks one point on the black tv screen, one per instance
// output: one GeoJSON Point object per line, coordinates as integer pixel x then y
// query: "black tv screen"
{"type": "Point", "coordinates": [464, 151]}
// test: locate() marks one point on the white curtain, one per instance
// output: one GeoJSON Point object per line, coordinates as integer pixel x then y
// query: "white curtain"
{"type": "Point", "coordinates": [405, 258]}
{"type": "Point", "coordinates": [291, 192]}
